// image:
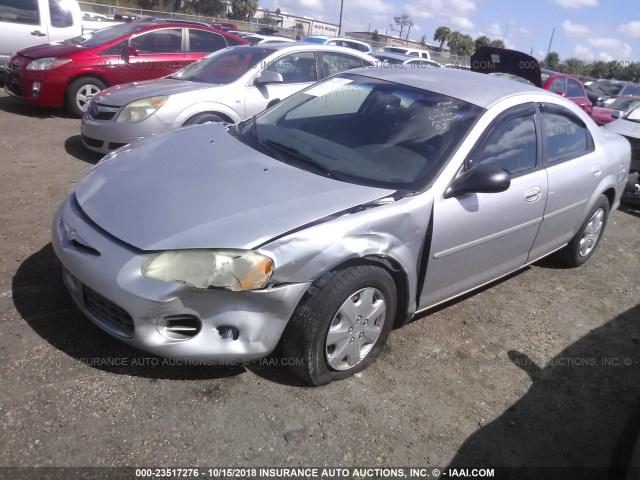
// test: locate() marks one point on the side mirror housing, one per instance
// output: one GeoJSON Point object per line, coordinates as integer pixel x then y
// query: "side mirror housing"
{"type": "Point", "coordinates": [616, 114]}
{"type": "Point", "coordinates": [562, 94]}
{"type": "Point", "coordinates": [268, 76]}
{"type": "Point", "coordinates": [129, 51]}
{"type": "Point", "coordinates": [480, 179]}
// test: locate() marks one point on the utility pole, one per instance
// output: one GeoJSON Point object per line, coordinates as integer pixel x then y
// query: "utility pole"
{"type": "Point", "coordinates": [549, 49]}
{"type": "Point", "coordinates": [505, 32]}
{"type": "Point", "coordinates": [340, 22]}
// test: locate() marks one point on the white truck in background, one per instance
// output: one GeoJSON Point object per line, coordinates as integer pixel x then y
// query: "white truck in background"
{"type": "Point", "coordinates": [25, 23]}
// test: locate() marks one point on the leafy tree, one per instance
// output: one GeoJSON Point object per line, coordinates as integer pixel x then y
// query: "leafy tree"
{"type": "Point", "coordinates": [376, 36]}
{"type": "Point", "coordinates": [497, 43]}
{"type": "Point", "coordinates": [423, 41]}
{"type": "Point", "coordinates": [552, 62]}
{"type": "Point", "coordinates": [210, 8]}
{"type": "Point", "coordinates": [403, 21]}
{"type": "Point", "coordinates": [442, 35]}
{"type": "Point", "coordinates": [482, 41]}
{"type": "Point", "coordinates": [241, 9]}
{"type": "Point", "coordinates": [461, 44]}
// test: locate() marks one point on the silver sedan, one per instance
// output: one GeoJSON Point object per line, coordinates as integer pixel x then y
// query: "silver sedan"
{"type": "Point", "coordinates": [344, 210]}
{"type": "Point", "coordinates": [227, 86]}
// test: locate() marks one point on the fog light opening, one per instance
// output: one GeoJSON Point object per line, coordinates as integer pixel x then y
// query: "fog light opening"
{"type": "Point", "coordinates": [179, 327]}
{"type": "Point", "coordinates": [228, 332]}
{"type": "Point", "coordinates": [35, 89]}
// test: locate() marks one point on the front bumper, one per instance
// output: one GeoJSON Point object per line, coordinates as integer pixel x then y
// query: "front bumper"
{"type": "Point", "coordinates": [104, 136]}
{"type": "Point", "coordinates": [103, 277]}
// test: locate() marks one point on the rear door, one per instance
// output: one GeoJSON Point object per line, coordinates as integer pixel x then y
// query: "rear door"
{"type": "Point", "coordinates": [22, 25]}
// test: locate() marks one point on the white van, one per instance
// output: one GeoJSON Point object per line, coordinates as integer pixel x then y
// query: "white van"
{"type": "Point", "coordinates": [25, 23]}
{"type": "Point", "coordinates": [414, 52]}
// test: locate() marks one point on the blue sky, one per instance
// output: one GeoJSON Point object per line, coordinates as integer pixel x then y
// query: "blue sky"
{"type": "Point", "coordinates": [586, 29]}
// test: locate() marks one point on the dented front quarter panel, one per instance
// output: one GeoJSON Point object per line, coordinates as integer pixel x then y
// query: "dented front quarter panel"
{"type": "Point", "coordinates": [393, 231]}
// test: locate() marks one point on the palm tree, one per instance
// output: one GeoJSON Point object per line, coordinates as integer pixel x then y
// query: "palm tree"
{"type": "Point", "coordinates": [442, 35]}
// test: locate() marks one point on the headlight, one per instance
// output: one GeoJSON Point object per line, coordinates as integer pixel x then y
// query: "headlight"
{"type": "Point", "coordinates": [231, 269]}
{"type": "Point", "coordinates": [141, 109]}
{"type": "Point", "coordinates": [47, 63]}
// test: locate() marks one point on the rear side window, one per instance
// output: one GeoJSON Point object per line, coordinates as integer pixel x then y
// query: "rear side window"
{"type": "Point", "coordinates": [511, 147]}
{"type": "Point", "coordinates": [565, 136]}
{"type": "Point", "coordinates": [20, 11]}
{"type": "Point", "coordinates": [573, 89]}
{"type": "Point", "coordinates": [201, 41]}
{"type": "Point", "coordinates": [61, 16]}
{"type": "Point", "coordinates": [338, 62]}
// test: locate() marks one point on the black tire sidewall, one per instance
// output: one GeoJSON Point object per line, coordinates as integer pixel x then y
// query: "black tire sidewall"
{"type": "Point", "coordinates": [202, 118]}
{"type": "Point", "coordinates": [574, 247]}
{"type": "Point", "coordinates": [320, 309]}
{"type": "Point", "coordinates": [72, 91]}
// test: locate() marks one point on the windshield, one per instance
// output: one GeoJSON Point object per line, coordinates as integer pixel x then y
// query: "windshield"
{"type": "Point", "coordinates": [386, 59]}
{"type": "Point", "coordinates": [607, 88]}
{"type": "Point", "coordinates": [394, 50]}
{"type": "Point", "coordinates": [365, 131]}
{"type": "Point", "coordinates": [105, 35]}
{"type": "Point", "coordinates": [224, 66]}
{"type": "Point", "coordinates": [621, 103]}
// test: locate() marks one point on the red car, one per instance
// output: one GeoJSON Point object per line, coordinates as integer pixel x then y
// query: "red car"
{"type": "Point", "coordinates": [70, 73]}
{"type": "Point", "coordinates": [567, 86]}
{"type": "Point", "coordinates": [622, 104]}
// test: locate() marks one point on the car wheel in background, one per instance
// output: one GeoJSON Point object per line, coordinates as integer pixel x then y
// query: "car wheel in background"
{"type": "Point", "coordinates": [341, 326]}
{"type": "Point", "coordinates": [584, 243]}
{"type": "Point", "coordinates": [204, 117]}
{"type": "Point", "coordinates": [79, 94]}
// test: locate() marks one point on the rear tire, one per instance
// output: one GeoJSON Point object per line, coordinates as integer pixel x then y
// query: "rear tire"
{"type": "Point", "coordinates": [79, 94]}
{"type": "Point", "coordinates": [342, 326]}
{"type": "Point", "coordinates": [584, 243]}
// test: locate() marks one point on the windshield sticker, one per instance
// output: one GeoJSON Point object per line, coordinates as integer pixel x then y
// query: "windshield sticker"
{"type": "Point", "coordinates": [328, 86]}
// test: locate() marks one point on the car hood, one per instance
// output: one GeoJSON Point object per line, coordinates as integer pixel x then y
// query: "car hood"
{"type": "Point", "coordinates": [121, 95]}
{"type": "Point", "coordinates": [624, 127]}
{"type": "Point", "coordinates": [54, 49]}
{"type": "Point", "coordinates": [199, 187]}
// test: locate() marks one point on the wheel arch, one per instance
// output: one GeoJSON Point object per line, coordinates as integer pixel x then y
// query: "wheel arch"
{"type": "Point", "coordinates": [206, 107]}
{"type": "Point", "coordinates": [86, 75]}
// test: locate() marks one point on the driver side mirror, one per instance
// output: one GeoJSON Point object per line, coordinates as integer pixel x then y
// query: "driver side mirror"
{"type": "Point", "coordinates": [562, 94]}
{"type": "Point", "coordinates": [268, 76]}
{"type": "Point", "coordinates": [616, 114]}
{"type": "Point", "coordinates": [129, 51]}
{"type": "Point", "coordinates": [480, 179]}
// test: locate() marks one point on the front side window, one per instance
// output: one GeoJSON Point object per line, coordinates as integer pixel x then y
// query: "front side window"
{"type": "Point", "coordinates": [365, 131]}
{"type": "Point", "coordinates": [296, 67]}
{"type": "Point", "coordinates": [565, 136]}
{"type": "Point", "coordinates": [168, 40]}
{"type": "Point", "coordinates": [511, 146]}
{"type": "Point", "coordinates": [558, 85]}
{"type": "Point", "coordinates": [61, 16]}
{"type": "Point", "coordinates": [20, 11]}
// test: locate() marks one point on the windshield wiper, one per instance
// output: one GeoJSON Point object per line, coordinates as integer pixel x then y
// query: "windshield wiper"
{"type": "Point", "coordinates": [305, 159]}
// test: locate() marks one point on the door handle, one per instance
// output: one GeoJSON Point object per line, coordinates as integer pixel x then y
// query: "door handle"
{"type": "Point", "coordinates": [596, 171]}
{"type": "Point", "coordinates": [533, 194]}
{"type": "Point", "coordinates": [38, 33]}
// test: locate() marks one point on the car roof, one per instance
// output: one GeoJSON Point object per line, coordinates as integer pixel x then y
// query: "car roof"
{"type": "Point", "coordinates": [476, 88]}
{"type": "Point", "coordinates": [397, 56]}
{"type": "Point", "coordinates": [300, 47]}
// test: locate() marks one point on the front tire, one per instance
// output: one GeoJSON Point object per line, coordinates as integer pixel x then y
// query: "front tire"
{"type": "Point", "coordinates": [342, 326]}
{"type": "Point", "coordinates": [79, 94]}
{"type": "Point", "coordinates": [584, 243]}
{"type": "Point", "coordinates": [204, 117]}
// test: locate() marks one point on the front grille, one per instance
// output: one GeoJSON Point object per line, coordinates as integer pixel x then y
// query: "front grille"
{"type": "Point", "coordinates": [92, 142]}
{"type": "Point", "coordinates": [104, 115]}
{"type": "Point", "coordinates": [115, 145]}
{"type": "Point", "coordinates": [108, 312]}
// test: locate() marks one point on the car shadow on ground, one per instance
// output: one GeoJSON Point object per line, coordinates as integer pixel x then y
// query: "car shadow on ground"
{"type": "Point", "coordinates": [27, 109]}
{"type": "Point", "coordinates": [42, 300]}
{"type": "Point", "coordinates": [629, 209]}
{"type": "Point", "coordinates": [74, 147]}
{"type": "Point", "coordinates": [581, 411]}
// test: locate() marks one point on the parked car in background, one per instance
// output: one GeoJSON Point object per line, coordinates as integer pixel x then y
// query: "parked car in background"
{"type": "Point", "coordinates": [614, 107]}
{"type": "Point", "coordinates": [344, 210]}
{"type": "Point", "coordinates": [388, 58]}
{"type": "Point", "coordinates": [228, 86]}
{"type": "Point", "coordinates": [226, 26]}
{"type": "Point", "coordinates": [567, 86]}
{"type": "Point", "coordinates": [338, 42]}
{"type": "Point", "coordinates": [256, 39]}
{"type": "Point", "coordinates": [628, 125]}
{"type": "Point", "coordinates": [602, 90]}
{"type": "Point", "coordinates": [415, 52]}
{"type": "Point", "coordinates": [25, 23]}
{"type": "Point", "coordinates": [71, 72]}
